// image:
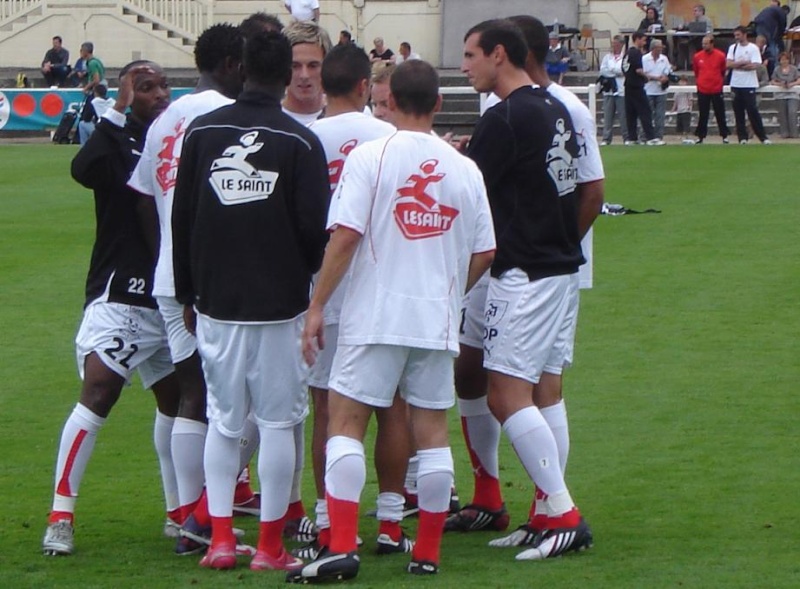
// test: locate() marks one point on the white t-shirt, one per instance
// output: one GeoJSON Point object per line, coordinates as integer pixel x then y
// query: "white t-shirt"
{"type": "Point", "coordinates": [655, 67]}
{"type": "Point", "coordinates": [589, 162]}
{"type": "Point", "coordinates": [423, 211]}
{"type": "Point", "coordinates": [157, 170]}
{"type": "Point", "coordinates": [744, 78]}
{"type": "Point", "coordinates": [101, 105]}
{"type": "Point", "coordinates": [302, 9]}
{"type": "Point", "coordinates": [339, 135]}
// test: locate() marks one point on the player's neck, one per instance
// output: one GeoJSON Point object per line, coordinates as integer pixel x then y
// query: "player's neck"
{"type": "Point", "coordinates": [410, 122]}
{"type": "Point", "coordinates": [339, 105]}
{"type": "Point", "coordinates": [537, 74]}
{"type": "Point", "coordinates": [302, 107]}
{"type": "Point", "coordinates": [511, 79]}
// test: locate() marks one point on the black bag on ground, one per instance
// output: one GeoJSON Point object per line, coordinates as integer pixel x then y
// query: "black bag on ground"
{"type": "Point", "coordinates": [63, 134]}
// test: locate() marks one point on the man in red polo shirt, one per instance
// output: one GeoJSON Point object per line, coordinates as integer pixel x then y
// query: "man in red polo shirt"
{"type": "Point", "coordinates": [709, 71]}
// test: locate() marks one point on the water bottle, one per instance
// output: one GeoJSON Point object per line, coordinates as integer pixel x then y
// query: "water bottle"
{"type": "Point", "coordinates": [556, 29]}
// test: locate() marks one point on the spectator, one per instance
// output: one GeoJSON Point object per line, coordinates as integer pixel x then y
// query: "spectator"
{"type": "Point", "coordinates": [303, 10]}
{"type": "Point", "coordinates": [709, 71]}
{"type": "Point", "coordinates": [683, 112]}
{"type": "Point", "coordinates": [786, 76]}
{"type": "Point", "coordinates": [99, 105]}
{"type": "Point", "coordinates": [657, 69]}
{"type": "Point", "coordinates": [636, 105]}
{"type": "Point", "coordinates": [767, 60]}
{"type": "Point", "coordinates": [55, 66]}
{"type": "Point", "coordinates": [345, 38]}
{"type": "Point", "coordinates": [77, 75]}
{"type": "Point", "coordinates": [381, 54]}
{"type": "Point", "coordinates": [406, 53]}
{"type": "Point", "coordinates": [771, 23]}
{"type": "Point", "coordinates": [614, 99]}
{"type": "Point", "coordinates": [557, 60]}
{"type": "Point", "coordinates": [650, 23]}
{"type": "Point", "coordinates": [95, 70]}
{"type": "Point", "coordinates": [743, 60]}
{"type": "Point", "coordinates": [379, 94]}
{"type": "Point", "coordinates": [643, 5]}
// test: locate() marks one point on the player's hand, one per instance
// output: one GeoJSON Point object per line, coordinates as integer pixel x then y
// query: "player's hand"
{"type": "Point", "coordinates": [190, 319]}
{"type": "Point", "coordinates": [313, 335]}
{"type": "Point", "coordinates": [126, 86]}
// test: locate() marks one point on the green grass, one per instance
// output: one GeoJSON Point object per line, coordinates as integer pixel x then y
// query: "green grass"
{"type": "Point", "coordinates": [683, 401]}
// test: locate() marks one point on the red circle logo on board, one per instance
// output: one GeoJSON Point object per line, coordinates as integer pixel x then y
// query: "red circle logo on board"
{"type": "Point", "coordinates": [51, 105]}
{"type": "Point", "coordinates": [23, 105]}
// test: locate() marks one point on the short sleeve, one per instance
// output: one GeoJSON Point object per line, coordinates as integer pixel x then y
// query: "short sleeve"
{"type": "Point", "coordinates": [141, 179]}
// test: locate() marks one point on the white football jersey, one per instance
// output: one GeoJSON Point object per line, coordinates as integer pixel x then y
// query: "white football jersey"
{"type": "Point", "coordinates": [157, 170]}
{"type": "Point", "coordinates": [423, 211]}
{"type": "Point", "coordinates": [339, 135]}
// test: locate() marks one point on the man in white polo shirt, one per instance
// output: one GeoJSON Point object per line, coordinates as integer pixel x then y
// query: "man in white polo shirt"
{"type": "Point", "coordinates": [743, 59]}
{"type": "Point", "coordinates": [303, 9]}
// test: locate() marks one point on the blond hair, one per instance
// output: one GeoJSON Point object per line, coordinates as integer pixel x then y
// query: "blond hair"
{"type": "Point", "coordinates": [308, 32]}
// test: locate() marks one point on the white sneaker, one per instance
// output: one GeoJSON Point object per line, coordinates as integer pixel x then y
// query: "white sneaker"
{"type": "Point", "coordinates": [656, 141]}
{"type": "Point", "coordinates": [743, 142]}
{"type": "Point", "coordinates": [767, 142]}
{"type": "Point", "coordinates": [58, 539]}
{"type": "Point", "coordinates": [172, 529]}
{"type": "Point", "coordinates": [690, 142]}
{"type": "Point", "coordinates": [631, 143]}
{"type": "Point", "coordinates": [604, 143]}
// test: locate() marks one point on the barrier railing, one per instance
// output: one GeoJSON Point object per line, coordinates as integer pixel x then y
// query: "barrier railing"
{"type": "Point", "coordinates": [189, 17]}
{"type": "Point", "coordinates": [10, 9]}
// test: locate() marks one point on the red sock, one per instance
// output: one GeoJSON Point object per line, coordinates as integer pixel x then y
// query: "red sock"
{"type": "Point", "coordinates": [243, 492]}
{"type": "Point", "coordinates": [188, 509]}
{"type": "Point", "coordinates": [566, 520]}
{"type": "Point", "coordinates": [222, 531]}
{"type": "Point", "coordinates": [57, 516]}
{"type": "Point", "coordinates": [200, 513]}
{"type": "Point", "coordinates": [429, 536]}
{"type": "Point", "coordinates": [391, 529]}
{"type": "Point", "coordinates": [536, 520]}
{"type": "Point", "coordinates": [344, 524]}
{"type": "Point", "coordinates": [324, 538]}
{"type": "Point", "coordinates": [176, 515]}
{"type": "Point", "coordinates": [487, 488]}
{"type": "Point", "coordinates": [270, 538]}
{"type": "Point", "coordinates": [296, 510]}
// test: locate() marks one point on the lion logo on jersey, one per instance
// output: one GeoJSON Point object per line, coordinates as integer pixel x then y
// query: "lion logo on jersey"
{"type": "Point", "coordinates": [560, 165]}
{"type": "Point", "coordinates": [235, 180]}
{"type": "Point", "coordinates": [167, 168]}
{"type": "Point", "coordinates": [416, 212]}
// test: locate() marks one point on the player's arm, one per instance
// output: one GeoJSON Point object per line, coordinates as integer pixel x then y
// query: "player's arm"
{"type": "Point", "coordinates": [478, 265]}
{"type": "Point", "coordinates": [310, 198]}
{"type": "Point", "coordinates": [338, 255]}
{"type": "Point", "coordinates": [590, 200]}
{"type": "Point", "coordinates": [99, 164]}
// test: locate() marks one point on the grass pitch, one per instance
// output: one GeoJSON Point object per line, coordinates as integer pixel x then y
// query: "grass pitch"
{"type": "Point", "coordinates": [683, 401]}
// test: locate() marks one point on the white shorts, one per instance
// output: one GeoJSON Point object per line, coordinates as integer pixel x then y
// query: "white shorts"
{"type": "Point", "coordinates": [472, 319]}
{"type": "Point", "coordinates": [125, 338]}
{"type": "Point", "coordinates": [371, 374]}
{"type": "Point", "coordinates": [182, 344]}
{"type": "Point", "coordinates": [253, 367]}
{"type": "Point", "coordinates": [530, 326]}
{"type": "Point", "coordinates": [320, 372]}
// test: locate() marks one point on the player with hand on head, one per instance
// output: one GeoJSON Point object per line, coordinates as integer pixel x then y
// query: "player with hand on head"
{"type": "Point", "coordinates": [121, 331]}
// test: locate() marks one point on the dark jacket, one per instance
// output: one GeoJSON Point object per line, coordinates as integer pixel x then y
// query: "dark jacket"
{"type": "Point", "coordinates": [248, 221]}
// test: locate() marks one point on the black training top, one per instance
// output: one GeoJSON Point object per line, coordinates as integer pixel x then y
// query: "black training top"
{"type": "Point", "coordinates": [248, 219]}
{"type": "Point", "coordinates": [122, 265]}
{"type": "Point", "coordinates": [526, 148]}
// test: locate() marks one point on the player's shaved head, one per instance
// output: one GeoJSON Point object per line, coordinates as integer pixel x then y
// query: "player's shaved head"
{"type": "Point", "coordinates": [415, 87]}
{"type": "Point", "coordinates": [343, 68]}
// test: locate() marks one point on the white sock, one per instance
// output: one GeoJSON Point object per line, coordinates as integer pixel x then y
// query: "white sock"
{"type": "Point", "coordinates": [536, 447]}
{"type": "Point", "coordinates": [300, 454]}
{"type": "Point", "coordinates": [248, 442]}
{"type": "Point", "coordinates": [410, 484]}
{"type": "Point", "coordinates": [77, 443]}
{"type": "Point", "coordinates": [345, 468]}
{"type": "Point", "coordinates": [162, 439]}
{"type": "Point", "coordinates": [390, 507]}
{"type": "Point", "coordinates": [276, 458]}
{"type": "Point", "coordinates": [188, 442]}
{"type": "Point", "coordinates": [482, 432]}
{"type": "Point", "coordinates": [556, 418]}
{"type": "Point", "coordinates": [221, 463]}
{"type": "Point", "coordinates": [435, 479]}
{"type": "Point", "coordinates": [321, 509]}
